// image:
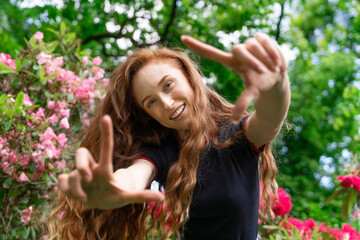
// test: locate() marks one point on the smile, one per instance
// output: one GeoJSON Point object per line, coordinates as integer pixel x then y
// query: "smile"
{"type": "Point", "coordinates": [178, 111]}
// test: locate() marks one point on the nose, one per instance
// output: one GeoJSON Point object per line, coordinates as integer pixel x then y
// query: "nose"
{"type": "Point", "coordinates": [167, 101]}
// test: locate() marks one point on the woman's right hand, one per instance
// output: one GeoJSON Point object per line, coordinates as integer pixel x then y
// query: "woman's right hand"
{"type": "Point", "coordinates": [94, 183]}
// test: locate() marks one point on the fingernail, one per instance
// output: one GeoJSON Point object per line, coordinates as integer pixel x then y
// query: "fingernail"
{"type": "Point", "coordinates": [87, 178]}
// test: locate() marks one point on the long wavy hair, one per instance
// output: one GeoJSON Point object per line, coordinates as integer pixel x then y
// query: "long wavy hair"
{"type": "Point", "coordinates": [134, 132]}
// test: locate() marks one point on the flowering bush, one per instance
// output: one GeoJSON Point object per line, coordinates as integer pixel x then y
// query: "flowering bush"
{"type": "Point", "coordinates": [48, 92]}
{"type": "Point", "coordinates": [286, 227]}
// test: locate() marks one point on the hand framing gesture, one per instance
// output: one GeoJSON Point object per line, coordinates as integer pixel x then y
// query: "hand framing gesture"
{"type": "Point", "coordinates": [258, 61]}
{"type": "Point", "coordinates": [95, 184]}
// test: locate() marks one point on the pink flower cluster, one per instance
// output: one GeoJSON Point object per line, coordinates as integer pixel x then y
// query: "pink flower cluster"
{"type": "Point", "coordinates": [26, 215]}
{"type": "Point", "coordinates": [49, 145]}
{"type": "Point", "coordinates": [350, 181]}
{"type": "Point", "coordinates": [83, 89]}
{"type": "Point", "coordinates": [6, 59]}
{"type": "Point", "coordinates": [307, 227]}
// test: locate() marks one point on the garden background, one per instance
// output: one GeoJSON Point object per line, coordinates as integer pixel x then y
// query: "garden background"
{"type": "Point", "coordinates": [56, 60]}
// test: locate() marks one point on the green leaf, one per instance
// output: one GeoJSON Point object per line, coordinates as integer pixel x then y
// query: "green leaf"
{"type": "Point", "coordinates": [70, 37]}
{"type": "Point", "coordinates": [50, 76]}
{"type": "Point", "coordinates": [17, 65]}
{"type": "Point", "coordinates": [336, 194]}
{"type": "Point", "coordinates": [33, 233]}
{"type": "Point", "coordinates": [52, 31]}
{"type": "Point", "coordinates": [32, 41]}
{"type": "Point", "coordinates": [25, 234]}
{"type": "Point", "coordinates": [7, 183]}
{"type": "Point", "coordinates": [30, 107]}
{"type": "Point", "coordinates": [51, 46]}
{"type": "Point", "coordinates": [41, 73]}
{"type": "Point", "coordinates": [345, 206]}
{"type": "Point", "coordinates": [5, 69]}
{"type": "Point", "coordinates": [32, 74]}
{"type": "Point", "coordinates": [62, 28]}
{"type": "Point", "coordinates": [19, 100]}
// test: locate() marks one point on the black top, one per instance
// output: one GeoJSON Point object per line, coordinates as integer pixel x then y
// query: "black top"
{"type": "Point", "coordinates": [226, 197]}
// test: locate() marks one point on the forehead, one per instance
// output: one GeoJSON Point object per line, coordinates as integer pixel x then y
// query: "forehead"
{"type": "Point", "coordinates": [150, 75]}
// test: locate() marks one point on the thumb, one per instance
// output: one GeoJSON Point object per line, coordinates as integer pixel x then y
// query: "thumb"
{"type": "Point", "coordinates": [244, 101]}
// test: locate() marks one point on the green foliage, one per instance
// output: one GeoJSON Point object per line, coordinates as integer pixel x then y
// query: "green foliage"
{"type": "Point", "coordinates": [324, 73]}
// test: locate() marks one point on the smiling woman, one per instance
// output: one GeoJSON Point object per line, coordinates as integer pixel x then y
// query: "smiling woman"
{"type": "Point", "coordinates": [159, 121]}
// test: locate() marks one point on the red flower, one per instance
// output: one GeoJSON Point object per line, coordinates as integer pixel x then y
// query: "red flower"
{"type": "Point", "coordinates": [356, 182]}
{"type": "Point", "coordinates": [346, 181]}
{"type": "Point", "coordinates": [283, 205]}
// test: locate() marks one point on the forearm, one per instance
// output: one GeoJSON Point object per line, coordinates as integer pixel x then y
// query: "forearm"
{"type": "Point", "coordinates": [136, 177]}
{"type": "Point", "coordinates": [271, 108]}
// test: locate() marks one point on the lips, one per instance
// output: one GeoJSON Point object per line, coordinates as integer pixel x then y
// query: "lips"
{"type": "Point", "coordinates": [177, 112]}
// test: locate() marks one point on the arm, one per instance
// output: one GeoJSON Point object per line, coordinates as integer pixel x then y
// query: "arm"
{"type": "Point", "coordinates": [97, 186]}
{"type": "Point", "coordinates": [137, 177]}
{"type": "Point", "coordinates": [271, 108]}
{"type": "Point", "coordinates": [262, 66]}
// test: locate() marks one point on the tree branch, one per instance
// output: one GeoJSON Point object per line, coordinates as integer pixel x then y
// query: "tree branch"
{"type": "Point", "coordinates": [278, 25]}
{"type": "Point", "coordinates": [168, 25]}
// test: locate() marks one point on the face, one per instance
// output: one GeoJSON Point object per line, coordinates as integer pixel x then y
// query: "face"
{"type": "Point", "coordinates": [164, 92]}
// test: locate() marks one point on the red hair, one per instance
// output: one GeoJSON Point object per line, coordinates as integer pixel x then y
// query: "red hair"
{"type": "Point", "coordinates": [134, 130]}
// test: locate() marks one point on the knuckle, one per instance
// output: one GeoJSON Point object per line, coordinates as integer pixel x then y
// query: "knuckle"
{"type": "Point", "coordinates": [237, 48]}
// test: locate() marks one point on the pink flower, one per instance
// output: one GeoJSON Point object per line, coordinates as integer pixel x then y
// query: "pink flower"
{"type": "Point", "coordinates": [62, 139]}
{"type": "Point", "coordinates": [40, 113]}
{"type": "Point", "coordinates": [48, 135]}
{"type": "Point", "coordinates": [39, 36]}
{"type": "Point", "coordinates": [283, 205]}
{"type": "Point", "coordinates": [53, 119]}
{"type": "Point", "coordinates": [65, 112]}
{"type": "Point", "coordinates": [85, 60]}
{"type": "Point", "coordinates": [356, 182]}
{"type": "Point", "coordinates": [85, 119]}
{"type": "Point", "coordinates": [60, 165]}
{"type": "Point", "coordinates": [97, 60]}
{"type": "Point", "coordinates": [61, 105]}
{"type": "Point", "coordinates": [43, 58]}
{"type": "Point", "coordinates": [6, 59]}
{"type": "Point", "coordinates": [22, 177]}
{"type": "Point", "coordinates": [64, 123]}
{"type": "Point", "coordinates": [26, 215]}
{"type": "Point", "coordinates": [7, 168]}
{"type": "Point", "coordinates": [105, 81]}
{"type": "Point", "coordinates": [51, 104]}
{"type": "Point", "coordinates": [27, 101]}
{"type": "Point", "coordinates": [346, 180]}
{"type": "Point", "coordinates": [24, 160]}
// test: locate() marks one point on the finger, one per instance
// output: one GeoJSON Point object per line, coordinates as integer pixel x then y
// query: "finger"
{"type": "Point", "coordinates": [63, 182]}
{"type": "Point", "coordinates": [75, 185]}
{"type": "Point", "coordinates": [207, 50]}
{"type": "Point", "coordinates": [259, 51]}
{"type": "Point", "coordinates": [240, 53]}
{"type": "Point", "coordinates": [282, 63]}
{"type": "Point", "coordinates": [84, 162]}
{"type": "Point", "coordinates": [270, 46]}
{"type": "Point", "coordinates": [145, 196]}
{"type": "Point", "coordinates": [244, 101]}
{"type": "Point", "coordinates": [107, 144]}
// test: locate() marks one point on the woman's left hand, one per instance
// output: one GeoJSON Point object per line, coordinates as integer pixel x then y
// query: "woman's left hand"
{"type": "Point", "coordinates": [259, 61]}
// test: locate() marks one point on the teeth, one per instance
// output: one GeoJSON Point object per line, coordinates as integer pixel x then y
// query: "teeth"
{"type": "Point", "coordinates": [178, 112]}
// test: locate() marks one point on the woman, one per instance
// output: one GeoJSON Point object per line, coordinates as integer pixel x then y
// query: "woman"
{"type": "Point", "coordinates": [160, 122]}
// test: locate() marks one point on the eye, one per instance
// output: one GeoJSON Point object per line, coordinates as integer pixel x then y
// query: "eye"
{"type": "Point", "coordinates": [168, 85]}
{"type": "Point", "coordinates": [150, 103]}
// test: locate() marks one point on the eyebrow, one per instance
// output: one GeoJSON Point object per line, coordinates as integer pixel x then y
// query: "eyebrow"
{"type": "Point", "coordinates": [159, 84]}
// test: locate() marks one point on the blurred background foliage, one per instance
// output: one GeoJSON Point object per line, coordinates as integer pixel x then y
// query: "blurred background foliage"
{"type": "Point", "coordinates": [320, 38]}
